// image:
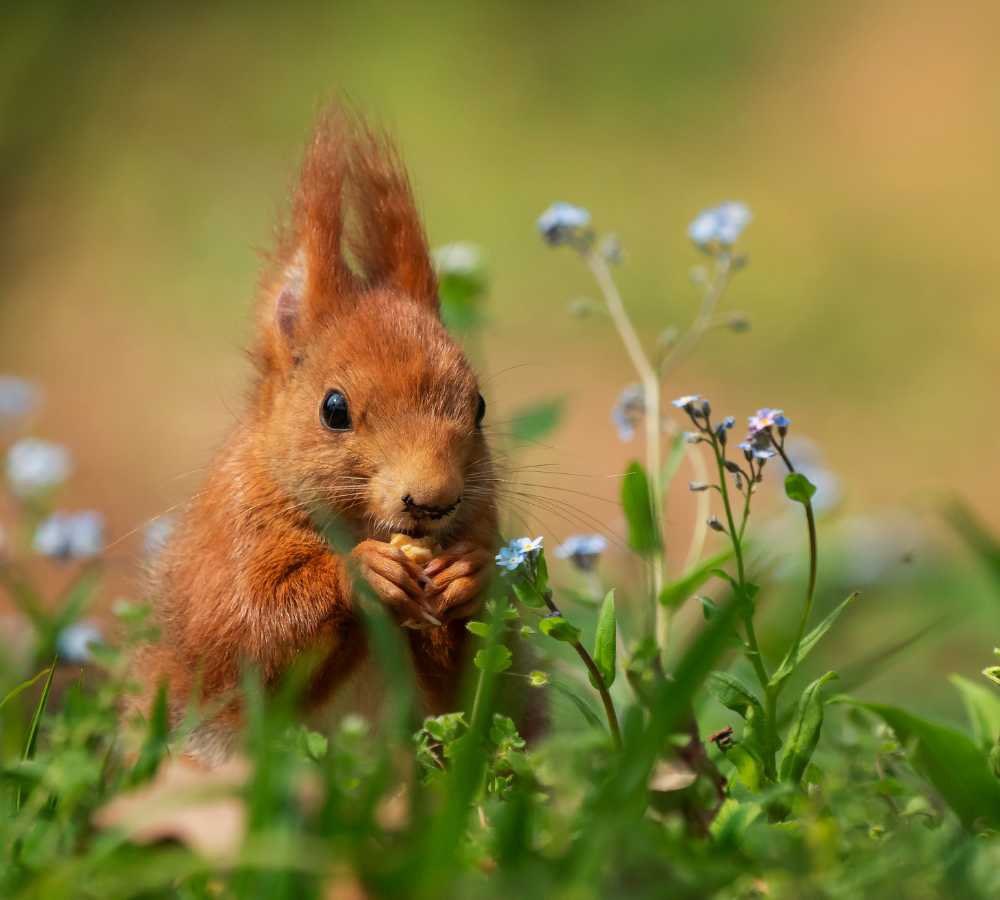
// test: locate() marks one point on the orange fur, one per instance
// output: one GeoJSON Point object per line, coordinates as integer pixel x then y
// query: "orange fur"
{"type": "Point", "coordinates": [247, 578]}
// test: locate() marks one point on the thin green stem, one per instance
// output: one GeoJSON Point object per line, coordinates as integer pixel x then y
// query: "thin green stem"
{"type": "Point", "coordinates": [650, 379]}
{"type": "Point", "coordinates": [755, 655]}
{"type": "Point", "coordinates": [700, 531]}
{"type": "Point", "coordinates": [756, 658]}
{"type": "Point", "coordinates": [703, 321]}
{"type": "Point", "coordinates": [609, 706]}
{"type": "Point", "coordinates": [813, 562]}
{"type": "Point", "coordinates": [477, 699]}
{"type": "Point", "coordinates": [598, 680]}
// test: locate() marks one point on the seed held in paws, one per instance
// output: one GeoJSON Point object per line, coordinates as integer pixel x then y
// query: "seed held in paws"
{"type": "Point", "coordinates": [418, 550]}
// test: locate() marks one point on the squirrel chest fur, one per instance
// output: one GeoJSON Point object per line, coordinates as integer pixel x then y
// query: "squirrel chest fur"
{"type": "Point", "coordinates": [363, 409]}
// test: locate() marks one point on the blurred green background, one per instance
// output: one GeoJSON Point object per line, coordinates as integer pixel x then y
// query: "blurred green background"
{"type": "Point", "coordinates": [145, 150]}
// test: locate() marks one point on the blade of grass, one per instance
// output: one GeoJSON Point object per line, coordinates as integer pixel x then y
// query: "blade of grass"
{"type": "Point", "coordinates": [23, 686]}
{"type": "Point", "coordinates": [36, 720]}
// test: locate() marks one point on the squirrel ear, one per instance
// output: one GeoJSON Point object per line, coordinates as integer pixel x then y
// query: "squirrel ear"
{"type": "Point", "coordinates": [389, 241]}
{"type": "Point", "coordinates": [288, 302]}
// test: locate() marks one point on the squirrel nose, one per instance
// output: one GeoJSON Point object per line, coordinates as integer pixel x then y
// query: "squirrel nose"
{"type": "Point", "coordinates": [428, 510]}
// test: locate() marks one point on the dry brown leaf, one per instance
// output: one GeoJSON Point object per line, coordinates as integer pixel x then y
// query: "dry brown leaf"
{"type": "Point", "coordinates": [186, 803]}
{"type": "Point", "coordinates": [671, 775]}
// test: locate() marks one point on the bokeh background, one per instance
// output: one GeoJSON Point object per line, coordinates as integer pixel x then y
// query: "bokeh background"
{"type": "Point", "coordinates": [146, 148]}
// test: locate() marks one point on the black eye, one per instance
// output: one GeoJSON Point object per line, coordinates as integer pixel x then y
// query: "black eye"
{"type": "Point", "coordinates": [334, 412]}
{"type": "Point", "coordinates": [480, 411]}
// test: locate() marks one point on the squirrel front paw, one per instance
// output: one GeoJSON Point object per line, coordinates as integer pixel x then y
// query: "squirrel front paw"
{"type": "Point", "coordinates": [458, 578]}
{"type": "Point", "coordinates": [399, 582]}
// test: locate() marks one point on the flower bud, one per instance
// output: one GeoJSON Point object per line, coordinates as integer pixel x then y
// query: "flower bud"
{"type": "Point", "coordinates": [738, 322]}
{"type": "Point", "coordinates": [716, 525]}
{"type": "Point", "coordinates": [697, 486]}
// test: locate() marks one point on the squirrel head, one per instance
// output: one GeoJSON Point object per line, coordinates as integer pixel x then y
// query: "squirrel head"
{"type": "Point", "coordinates": [365, 406]}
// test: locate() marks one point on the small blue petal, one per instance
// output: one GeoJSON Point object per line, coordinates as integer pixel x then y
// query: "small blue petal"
{"type": "Point", "coordinates": [561, 221]}
{"type": "Point", "coordinates": [35, 465]}
{"type": "Point", "coordinates": [685, 401]}
{"type": "Point", "coordinates": [70, 535]}
{"type": "Point", "coordinates": [719, 225]}
{"type": "Point", "coordinates": [74, 643]}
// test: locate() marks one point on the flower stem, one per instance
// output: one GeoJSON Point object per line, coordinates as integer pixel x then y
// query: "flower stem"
{"type": "Point", "coordinates": [700, 532]}
{"type": "Point", "coordinates": [703, 321]}
{"type": "Point", "coordinates": [650, 380]}
{"type": "Point", "coordinates": [813, 563]}
{"type": "Point", "coordinates": [597, 678]}
{"type": "Point", "coordinates": [609, 706]}
{"type": "Point", "coordinates": [756, 659]}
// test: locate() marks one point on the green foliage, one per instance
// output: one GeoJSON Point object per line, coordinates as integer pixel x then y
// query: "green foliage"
{"type": "Point", "coordinates": [799, 488]}
{"type": "Point", "coordinates": [951, 761]}
{"type": "Point", "coordinates": [535, 422]}
{"type": "Point", "coordinates": [788, 664]}
{"type": "Point", "coordinates": [982, 708]}
{"type": "Point", "coordinates": [675, 593]}
{"type": "Point", "coordinates": [804, 736]}
{"type": "Point", "coordinates": [558, 628]}
{"type": "Point", "coordinates": [643, 532]}
{"type": "Point", "coordinates": [462, 292]}
{"type": "Point", "coordinates": [494, 659]}
{"type": "Point", "coordinates": [606, 641]}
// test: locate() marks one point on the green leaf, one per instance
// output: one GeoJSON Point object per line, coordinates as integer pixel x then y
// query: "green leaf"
{"type": "Point", "coordinates": [733, 694]}
{"type": "Point", "coordinates": [788, 665]}
{"type": "Point", "coordinates": [606, 640]}
{"type": "Point", "coordinates": [637, 500]}
{"type": "Point", "coordinates": [732, 821]}
{"type": "Point", "coordinates": [537, 421]}
{"type": "Point", "coordinates": [799, 488]}
{"type": "Point", "coordinates": [805, 732]}
{"type": "Point", "coordinates": [316, 745]}
{"type": "Point", "coordinates": [982, 706]}
{"type": "Point", "coordinates": [461, 295]}
{"type": "Point", "coordinates": [528, 594]}
{"type": "Point", "coordinates": [678, 447]}
{"type": "Point", "coordinates": [675, 593]}
{"type": "Point", "coordinates": [154, 747]}
{"type": "Point", "coordinates": [993, 673]}
{"type": "Point", "coordinates": [748, 765]}
{"type": "Point", "coordinates": [949, 760]}
{"type": "Point", "coordinates": [582, 705]}
{"type": "Point", "coordinates": [559, 628]}
{"type": "Point", "coordinates": [494, 659]}
{"type": "Point", "coordinates": [479, 629]}
{"type": "Point", "coordinates": [446, 727]}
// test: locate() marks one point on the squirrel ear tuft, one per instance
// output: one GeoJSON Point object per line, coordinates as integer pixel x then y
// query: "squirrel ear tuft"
{"type": "Point", "coordinates": [389, 241]}
{"type": "Point", "coordinates": [347, 164]}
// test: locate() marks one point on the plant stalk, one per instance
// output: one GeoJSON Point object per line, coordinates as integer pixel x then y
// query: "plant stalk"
{"type": "Point", "coordinates": [650, 380]}
{"type": "Point", "coordinates": [598, 679]}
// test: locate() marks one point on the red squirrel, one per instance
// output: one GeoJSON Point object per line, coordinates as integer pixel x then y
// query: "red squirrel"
{"type": "Point", "coordinates": [363, 405]}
